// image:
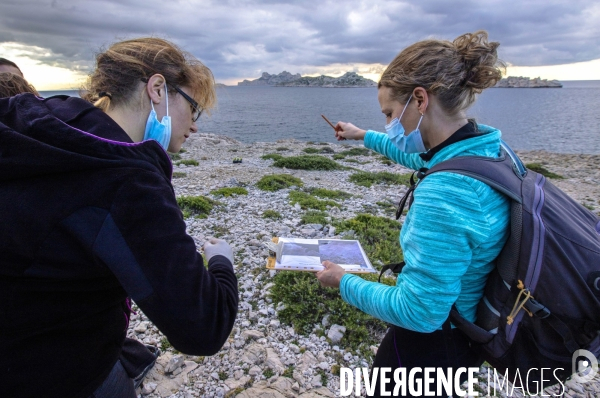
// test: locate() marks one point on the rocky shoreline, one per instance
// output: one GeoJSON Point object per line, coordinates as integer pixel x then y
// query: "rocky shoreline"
{"type": "Point", "coordinates": [525, 82]}
{"type": "Point", "coordinates": [263, 357]}
{"type": "Point", "coordinates": [286, 79]}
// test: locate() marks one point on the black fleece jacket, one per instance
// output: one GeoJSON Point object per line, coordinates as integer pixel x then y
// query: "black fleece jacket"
{"type": "Point", "coordinates": [89, 218]}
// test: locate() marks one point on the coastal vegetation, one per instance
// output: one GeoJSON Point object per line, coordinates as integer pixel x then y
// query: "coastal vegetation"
{"type": "Point", "coordinates": [307, 162]}
{"type": "Point", "coordinates": [357, 151]}
{"type": "Point", "coordinates": [275, 182]}
{"type": "Point", "coordinates": [306, 303]}
{"type": "Point", "coordinates": [229, 191]}
{"type": "Point", "coordinates": [311, 150]}
{"type": "Point", "coordinates": [271, 156]}
{"type": "Point", "coordinates": [272, 214]}
{"type": "Point", "coordinates": [199, 206]}
{"type": "Point", "coordinates": [366, 178]}
{"type": "Point", "coordinates": [188, 162]}
{"type": "Point", "coordinates": [539, 168]}
{"type": "Point", "coordinates": [179, 174]}
{"type": "Point", "coordinates": [314, 217]}
{"type": "Point", "coordinates": [328, 193]}
{"type": "Point", "coordinates": [377, 235]}
{"type": "Point", "coordinates": [307, 201]}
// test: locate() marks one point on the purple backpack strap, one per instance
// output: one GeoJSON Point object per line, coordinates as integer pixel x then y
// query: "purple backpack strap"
{"type": "Point", "coordinates": [500, 173]}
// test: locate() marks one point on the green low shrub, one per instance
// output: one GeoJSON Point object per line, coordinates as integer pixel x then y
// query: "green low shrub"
{"type": "Point", "coordinates": [289, 372]}
{"type": "Point", "coordinates": [228, 191]}
{"type": "Point", "coordinates": [174, 156]}
{"type": "Point", "coordinates": [539, 168]}
{"type": "Point", "coordinates": [339, 156]}
{"type": "Point", "coordinates": [188, 162]}
{"type": "Point", "coordinates": [307, 162]}
{"type": "Point", "coordinates": [306, 303]}
{"type": "Point", "coordinates": [327, 150]}
{"type": "Point", "coordinates": [388, 207]}
{"type": "Point", "coordinates": [311, 150]}
{"type": "Point", "coordinates": [385, 160]}
{"type": "Point", "coordinates": [366, 178]}
{"type": "Point", "coordinates": [328, 193]}
{"type": "Point", "coordinates": [268, 373]}
{"type": "Point", "coordinates": [356, 151]}
{"type": "Point", "coordinates": [306, 201]}
{"type": "Point", "coordinates": [314, 217]}
{"type": "Point", "coordinates": [179, 174]}
{"type": "Point", "coordinates": [272, 214]}
{"type": "Point", "coordinates": [377, 235]}
{"type": "Point", "coordinates": [271, 156]}
{"type": "Point", "coordinates": [199, 206]}
{"type": "Point", "coordinates": [275, 182]}
{"type": "Point", "coordinates": [282, 148]}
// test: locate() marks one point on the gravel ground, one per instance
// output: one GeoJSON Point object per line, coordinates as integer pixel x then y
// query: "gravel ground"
{"type": "Point", "coordinates": [259, 357]}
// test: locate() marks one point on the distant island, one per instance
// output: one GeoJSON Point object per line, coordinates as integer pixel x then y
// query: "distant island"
{"type": "Point", "coordinates": [525, 82]}
{"type": "Point", "coordinates": [286, 79]}
{"type": "Point", "coordinates": [270, 80]}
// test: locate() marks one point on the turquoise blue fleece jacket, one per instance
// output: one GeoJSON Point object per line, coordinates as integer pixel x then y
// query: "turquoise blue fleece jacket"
{"type": "Point", "coordinates": [450, 237]}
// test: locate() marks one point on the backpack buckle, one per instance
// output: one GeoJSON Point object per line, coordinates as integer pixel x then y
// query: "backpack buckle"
{"type": "Point", "coordinates": [537, 309]}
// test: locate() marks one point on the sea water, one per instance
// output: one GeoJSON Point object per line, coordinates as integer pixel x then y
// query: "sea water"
{"type": "Point", "coordinates": [563, 120]}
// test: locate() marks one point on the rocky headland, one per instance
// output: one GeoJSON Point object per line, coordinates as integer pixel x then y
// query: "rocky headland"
{"type": "Point", "coordinates": [265, 357]}
{"type": "Point", "coordinates": [525, 82]}
{"type": "Point", "coordinates": [271, 80]}
{"type": "Point", "coordinates": [286, 79]}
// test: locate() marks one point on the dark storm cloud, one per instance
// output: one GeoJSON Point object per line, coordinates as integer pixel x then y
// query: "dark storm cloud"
{"type": "Point", "coordinates": [242, 38]}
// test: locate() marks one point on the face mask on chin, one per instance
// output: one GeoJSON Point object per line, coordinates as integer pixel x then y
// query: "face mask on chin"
{"type": "Point", "coordinates": [159, 131]}
{"type": "Point", "coordinates": [411, 143]}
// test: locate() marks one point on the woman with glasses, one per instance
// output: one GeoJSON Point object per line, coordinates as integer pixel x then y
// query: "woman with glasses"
{"type": "Point", "coordinates": [456, 225]}
{"type": "Point", "coordinates": [90, 221]}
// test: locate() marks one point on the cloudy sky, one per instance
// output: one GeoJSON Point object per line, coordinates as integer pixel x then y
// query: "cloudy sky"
{"type": "Point", "coordinates": [54, 41]}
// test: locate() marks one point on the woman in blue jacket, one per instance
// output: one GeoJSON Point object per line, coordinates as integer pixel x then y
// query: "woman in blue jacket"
{"type": "Point", "coordinates": [456, 225]}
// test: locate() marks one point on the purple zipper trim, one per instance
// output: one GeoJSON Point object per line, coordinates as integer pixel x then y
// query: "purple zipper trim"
{"type": "Point", "coordinates": [128, 303]}
{"type": "Point", "coordinates": [534, 267]}
{"type": "Point", "coordinates": [396, 348]}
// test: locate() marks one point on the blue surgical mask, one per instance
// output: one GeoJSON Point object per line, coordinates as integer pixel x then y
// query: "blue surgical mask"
{"type": "Point", "coordinates": [159, 131]}
{"type": "Point", "coordinates": [411, 143]}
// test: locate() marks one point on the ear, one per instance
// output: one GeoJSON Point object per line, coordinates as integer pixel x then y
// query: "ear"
{"type": "Point", "coordinates": [155, 88]}
{"type": "Point", "coordinates": [422, 98]}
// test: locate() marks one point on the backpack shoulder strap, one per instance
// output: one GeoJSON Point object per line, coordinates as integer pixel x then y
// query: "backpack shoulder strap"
{"type": "Point", "coordinates": [503, 173]}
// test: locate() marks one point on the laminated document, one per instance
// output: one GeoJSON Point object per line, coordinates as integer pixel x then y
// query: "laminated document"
{"type": "Point", "coordinates": [294, 254]}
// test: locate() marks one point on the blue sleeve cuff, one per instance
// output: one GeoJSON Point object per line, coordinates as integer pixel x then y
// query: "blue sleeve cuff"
{"type": "Point", "coordinates": [371, 138]}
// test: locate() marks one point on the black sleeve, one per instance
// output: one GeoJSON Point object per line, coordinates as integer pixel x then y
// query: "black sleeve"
{"type": "Point", "coordinates": [144, 242]}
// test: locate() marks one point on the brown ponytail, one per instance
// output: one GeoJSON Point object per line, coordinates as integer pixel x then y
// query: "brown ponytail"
{"type": "Point", "coordinates": [455, 72]}
{"type": "Point", "coordinates": [121, 67]}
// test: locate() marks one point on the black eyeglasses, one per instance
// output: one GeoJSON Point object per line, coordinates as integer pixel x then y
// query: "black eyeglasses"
{"type": "Point", "coordinates": [196, 110]}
